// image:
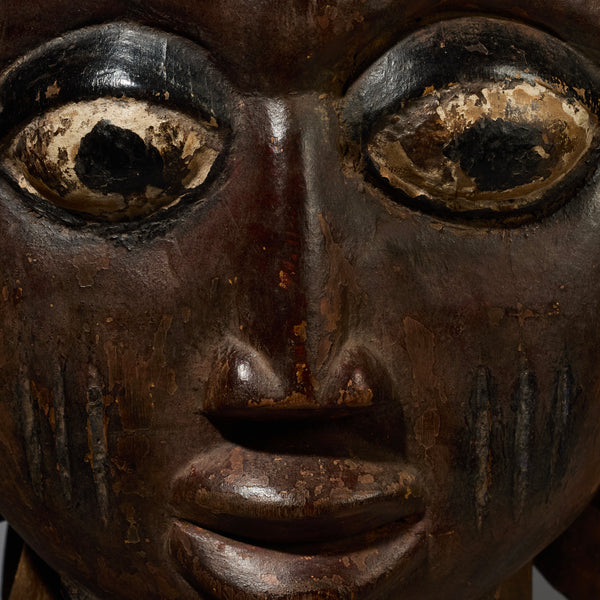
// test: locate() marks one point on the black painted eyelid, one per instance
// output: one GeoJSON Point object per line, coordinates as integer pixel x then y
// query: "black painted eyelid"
{"type": "Point", "coordinates": [466, 49]}
{"type": "Point", "coordinates": [116, 59]}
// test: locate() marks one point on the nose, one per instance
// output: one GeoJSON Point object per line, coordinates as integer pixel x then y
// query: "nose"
{"type": "Point", "coordinates": [245, 385]}
{"type": "Point", "coordinates": [294, 353]}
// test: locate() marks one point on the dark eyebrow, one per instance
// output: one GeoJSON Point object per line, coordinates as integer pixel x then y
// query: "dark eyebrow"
{"type": "Point", "coordinates": [230, 33]}
{"type": "Point", "coordinates": [118, 59]}
{"type": "Point", "coordinates": [467, 49]}
{"type": "Point", "coordinates": [575, 22]}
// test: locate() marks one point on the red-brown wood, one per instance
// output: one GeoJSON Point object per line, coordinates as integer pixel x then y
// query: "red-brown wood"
{"type": "Point", "coordinates": [244, 351]}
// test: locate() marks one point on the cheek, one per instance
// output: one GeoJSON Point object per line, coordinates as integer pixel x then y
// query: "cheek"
{"type": "Point", "coordinates": [491, 339]}
{"type": "Point", "coordinates": [98, 408]}
{"type": "Point", "coordinates": [94, 421]}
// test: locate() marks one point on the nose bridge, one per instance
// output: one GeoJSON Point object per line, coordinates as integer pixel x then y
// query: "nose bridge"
{"type": "Point", "coordinates": [302, 175]}
{"type": "Point", "coordinates": [312, 182]}
{"type": "Point", "coordinates": [294, 331]}
{"type": "Point", "coordinates": [322, 260]}
{"type": "Point", "coordinates": [289, 132]}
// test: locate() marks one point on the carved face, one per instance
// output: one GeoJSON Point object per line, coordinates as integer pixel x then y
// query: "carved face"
{"type": "Point", "coordinates": [299, 300]}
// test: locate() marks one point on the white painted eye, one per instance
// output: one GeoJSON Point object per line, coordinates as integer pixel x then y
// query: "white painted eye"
{"type": "Point", "coordinates": [113, 159]}
{"type": "Point", "coordinates": [485, 145]}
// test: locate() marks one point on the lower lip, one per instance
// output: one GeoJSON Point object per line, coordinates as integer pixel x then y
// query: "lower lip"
{"type": "Point", "coordinates": [369, 565]}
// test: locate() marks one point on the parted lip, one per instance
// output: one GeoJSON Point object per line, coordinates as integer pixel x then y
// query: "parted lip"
{"type": "Point", "coordinates": [294, 500]}
{"type": "Point", "coordinates": [373, 565]}
{"type": "Point", "coordinates": [255, 525]}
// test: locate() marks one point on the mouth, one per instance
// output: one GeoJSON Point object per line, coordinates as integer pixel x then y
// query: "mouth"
{"type": "Point", "coordinates": [250, 525]}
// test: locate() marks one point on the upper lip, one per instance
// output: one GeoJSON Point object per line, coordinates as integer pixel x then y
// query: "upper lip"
{"type": "Point", "coordinates": [291, 499]}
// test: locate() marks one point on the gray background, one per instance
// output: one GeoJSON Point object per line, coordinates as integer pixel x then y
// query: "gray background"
{"type": "Point", "coordinates": [541, 589]}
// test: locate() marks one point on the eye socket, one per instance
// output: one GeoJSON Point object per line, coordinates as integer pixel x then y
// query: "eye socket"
{"type": "Point", "coordinates": [480, 120]}
{"type": "Point", "coordinates": [484, 145]}
{"type": "Point", "coordinates": [113, 159]}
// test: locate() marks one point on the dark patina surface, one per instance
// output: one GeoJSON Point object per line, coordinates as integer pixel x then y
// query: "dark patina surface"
{"type": "Point", "coordinates": [299, 300]}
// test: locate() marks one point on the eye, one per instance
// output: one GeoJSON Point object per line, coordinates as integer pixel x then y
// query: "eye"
{"type": "Point", "coordinates": [113, 159]}
{"type": "Point", "coordinates": [483, 146]}
{"type": "Point", "coordinates": [482, 120]}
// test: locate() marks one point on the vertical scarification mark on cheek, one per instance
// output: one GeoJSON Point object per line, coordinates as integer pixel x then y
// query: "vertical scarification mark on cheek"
{"type": "Point", "coordinates": [525, 412]}
{"type": "Point", "coordinates": [62, 442]}
{"type": "Point", "coordinates": [97, 441]}
{"type": "Point", "coordinates": [31, 433]}
{"type": "Point", "coordinates": [481, 424]}
{"type": "Point", "coordinates": [560, 423]}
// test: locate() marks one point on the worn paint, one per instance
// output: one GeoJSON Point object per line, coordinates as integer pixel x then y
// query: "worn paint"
{"type": "Point", "coordinates": [63, 461]}
{"type": "Point", "coordinates": [43, 158]}
{"type": "Point", "coordinates": [567, 130]}
{"type": "Point", "coordinates": [480, 432]}
{"type": "Point", "coordinates": [525, 415]}
{"type": "Point", "coordinates": [30, 432]}
{"type": "Point", "coordinates": [97, 443]}
{"type": "Point", "coordinates": [560, 422]}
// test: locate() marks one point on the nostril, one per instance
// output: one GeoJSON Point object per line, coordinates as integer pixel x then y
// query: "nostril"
{"type": "Point", "coordinates": [358, 390]}
{"type": "Point", "coordinates": [244, 385]}
{"type": "Point", "coordinates": [357, 379]}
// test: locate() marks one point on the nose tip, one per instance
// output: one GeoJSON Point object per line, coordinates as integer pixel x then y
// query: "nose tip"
{"type": "Point", "coordinates": [244, 385]}
{"type": "Point", "coordinates": [241, 379]}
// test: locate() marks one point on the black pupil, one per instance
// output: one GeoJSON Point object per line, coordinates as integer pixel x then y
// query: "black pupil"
{"type": "Point", "coordinates": [116, 160]}
{"type": "Point", "coordinates": [501, 155]}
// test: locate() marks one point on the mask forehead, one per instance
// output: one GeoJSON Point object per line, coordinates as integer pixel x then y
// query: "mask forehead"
{"type": "Point", "coordinates": [291, 44]}
{"type": "Point", "coordinates": [300, 44]}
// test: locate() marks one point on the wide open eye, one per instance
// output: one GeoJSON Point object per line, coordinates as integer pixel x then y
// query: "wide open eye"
{"type": "Point", "coordinates": [478, 119]}
{"type": "Point", "coordinates": [114, 159]}
{"type": "Point", "coordinates": [485, 145]}
{"type": "Point", "coordinates": [113, 124]}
